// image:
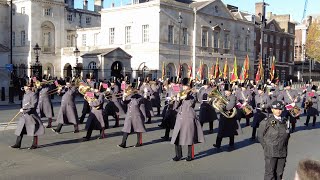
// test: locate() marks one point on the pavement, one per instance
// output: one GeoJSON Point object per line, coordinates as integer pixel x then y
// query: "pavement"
{"type": "Point", "coordinates": [65, 156]}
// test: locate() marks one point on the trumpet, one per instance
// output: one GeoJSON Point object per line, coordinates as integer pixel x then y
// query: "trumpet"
{"type": "Point", "coordinates": [56, 89]}
{"type": "Point", "coordinates": [39, 84]}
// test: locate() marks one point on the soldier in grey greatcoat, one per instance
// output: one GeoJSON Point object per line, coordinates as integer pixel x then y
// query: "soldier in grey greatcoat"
{"type": "Point", "coordinates": [86, 108]}
{"type": "Point", "coordinates": [312, 110]}
{"type": "Point", "coordinates": [273, 134]}
{"type": "Point", "coordinates": [68, 111]}
{"type": "Point", "coordinates": [95, 119]}
{"type": "Point", "coordinates": [244, 96]}
{"type": "Point", "coordinates": [155, 97]}
{"type": "Point", "coordinates": [207, 112]}
{"type": "Point", "coordinates": [261, 108]}
{"type": "Point", "coordinates": [289, 96]}
{"type": "Point", "coordinates": [135, 117]}
{"type": "Point", "coordinates": [227, 126]}
{"type": "Point", "coordinates": [45, 108]}
{"type": "Point", "coordinates": [146, 92]}
{"type": "Point", "coordinates": [29, 122]}
{"type": "Point", "coordinates": [187, 130]}
{"type": "Point", "coordinates": [114, 105]}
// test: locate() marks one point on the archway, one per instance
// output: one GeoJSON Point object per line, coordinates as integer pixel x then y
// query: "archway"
{"type": "Point", "coordinates": [185, 71]}
{"type": "Point", "coordinates": [204, 71]}
{"type": "Point", "coordinates": [92, 68]}
{"type": "Point", "coordinates": [116, 69]}
{"type": "Point", "coordinates": [48, 70]}
{"type": "Point", "coordinates": [170, 70]}
{"type": "Point", "coordinates": [67, 70]}
{"type": "Point", "coordinates": [48, 37]}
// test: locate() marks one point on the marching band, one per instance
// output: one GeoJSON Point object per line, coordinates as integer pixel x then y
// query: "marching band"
{"type": "Point", "coordinates": [219, 100]}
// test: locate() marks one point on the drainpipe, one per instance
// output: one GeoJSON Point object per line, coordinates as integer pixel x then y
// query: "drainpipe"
{"type": "Point", "coordinates": [194, 43]}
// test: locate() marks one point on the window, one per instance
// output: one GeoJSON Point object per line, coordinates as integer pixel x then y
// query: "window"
{"type": "Point", "coordinates": [226, 44]}
{"type": "Point", "coordinates": [128, 34]}
{"type": "Point", "coordinates": [13, 39]}
{"type": "Point", "coordinates": [145, 33]}
{"type": "Point", "coordinates": [216, 39]}
{"type": "Point", "coordinates": [88, 20]}
{"type": "Point", "coordinates": [92, 65]}
{"type": "Point", "coordinates": [265, 38]}
{"type": "Point", "coordinates": [135, 2]}
{"type": "Point", "coordinates": [47, 41]}
{"type": "Point", "coordinates": [170, 34]}
{"type": "Point", "coordinates": [70, 17]}
{"type": "Point", "coordinates": [284, 55]}
{"type": "Point", "coordinates": [290, 56]}
{"type": "Point", "coordinates": [237, 43]}
{"type": "Point", "coordinates": [272, 27]}
{"type": "Point", "coordinates": [264, 52]}
{"type": "Point", "coordinates": [23, 10]}
{"type": "Point", "coordinates": [278, 39]}
{"type": "Point", "coordinates": [246, 44]}
{"type": "Point", "coordinates": [84, 40]}
{"type": "Point", "coordinates": [284, 41]}
{"type": "Point", "coordinates": [184, 36]}
{"type": "Point", "coordinates": [111, 35]}
{"type": "Point", "coordinates": [69, 39]}
{"type": "Point", "coordinates": [271, 38]}
{"type": "Point", "coordinates": [23, 38]}
{"type": "Point", "coordinates": [291, 42]}
{"type": "Point", "coordinates": [277, 54]}
{"type": "Point", "coordinates": [96, 39]}
{"type": "Point", "coordinates": [204, 39]}
{"type": "Point", "coordinates": [291, 30]}
{"type": "Point", "coordinates": [13, 11]}
{"type": "Point", "coordinates": [48, 12]}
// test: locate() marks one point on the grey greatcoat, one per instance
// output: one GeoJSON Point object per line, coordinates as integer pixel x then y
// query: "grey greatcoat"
{"type": "Point", "coordinates": [146, 92]}
{"type": "Point", "coordinates": [29, 117]}
{"type": "Point", "coordinates": [114, 104]}
{"type": "Point", "coordinates": [228, 126]}
{"type": "Point", "coordinates": [135, 117]}
{"type": "Point", "coordinates": [207, 112]}
{"type": "Point", "coordinates": [187, 130]}
{"type": "Point", "coordinates": [44, 108]}
{"type": "Point", "coordinates": [96, 114]}
{"type": "Point", "coordinates": [155, 97]}
{"type": "Point", "coordinates": [68, 111]}
{"type": "Point", "coordinates": [313, 110]}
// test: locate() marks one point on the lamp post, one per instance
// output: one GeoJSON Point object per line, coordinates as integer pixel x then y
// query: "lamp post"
{"type": "Point", "coordinates": [180, 21]}
{"type": "Point", "coordinates": [76, 53]}
{"type": "Point", "coordinates": [303, 60]}
{"type": "Point", "coordinates": [11, 87]}
{"type": "Point", "coordinates": [37, 65]}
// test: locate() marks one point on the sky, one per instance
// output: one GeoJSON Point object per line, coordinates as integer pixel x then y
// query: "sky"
{"type": "Point", "coordinates": [293, 7]}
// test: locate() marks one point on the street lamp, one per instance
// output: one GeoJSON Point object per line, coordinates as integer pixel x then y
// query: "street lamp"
{"type": "Point", "coordinates": [76, 53]}
{"type": "Point", "coordinates": [180, 21]}
{"type": "Point", "coordinates": [303, 60]}
{"type": "Point", "coordinates": [37, 66]}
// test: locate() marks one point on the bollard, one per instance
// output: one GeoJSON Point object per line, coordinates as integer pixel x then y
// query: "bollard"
{"type": "Point", "coordinates": [3, 94]}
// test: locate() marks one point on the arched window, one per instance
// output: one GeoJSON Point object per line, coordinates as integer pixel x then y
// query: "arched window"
{"type": "Point", "coordinates": [92, 65]}
{"type": "Point", "coordinates": [48, 37]}
{"type": "Point", "coordinates": [272, 28]}
{"type": "Point", "coordinates": [170, 70]}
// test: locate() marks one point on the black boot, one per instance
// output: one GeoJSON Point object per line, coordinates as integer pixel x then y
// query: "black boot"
{"type": "Point", "coordinates": [89, 132]}
{"type": "Point", "coordinates": [178, 150]}
{"type": "Point", "coordinates": [35, 143]}
{"type": "Point", "coordinates": [18, 142]}
{"type": "Point", "coordinates": [293, 127]}
{"type": "Point", "coordinates": [158, 108]}
{"type": "Point", "coordinates": [218, 142]}
{"type": "Point", "coordinates": [247, 121]}
{"type": "Point", "coordinates": [166, 135]}
{"type": "Point", "coordinates": [253, 136]}
{"type": "Point", "coordinates": [102, 134]}
{"type": "Point", "coordinates": [49, 123]}
{"type": "Point", "coordinates": [76, 128]}
{"type": "Point", "coordinates": [58, 129]}
{"type": "Point", "coordinates": [307, 121]}
{"type": "Point", "coordinates": [82, 118]}
{"type": "Point", "coordinates": [314, 120]}
{"type": "Point", "coordinates": [117, 121]}
{"type": "Point", "coordinates": [149, 120]}
{"type": "Point", "coordinates": [124, 140]}
{"type": "Point", "coordinates": [211, 126]}
{"type": "Point", "coordinates": [190, 153]}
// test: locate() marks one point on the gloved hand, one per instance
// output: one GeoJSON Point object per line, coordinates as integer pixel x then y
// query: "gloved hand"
{"type": "Point", "coordinates": [21, 110]}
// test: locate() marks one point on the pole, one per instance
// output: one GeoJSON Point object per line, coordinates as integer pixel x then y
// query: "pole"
{"type": "Point", "coordinates": [310, 63]}
{"type": "Point", "coordinates": [180, 21]}
{"type": "Point", "coordinates": [11, 88]}
{"type": "Point", "coordinates": [263, 14]}
{"type": "Point", "coordinates": [304, 59]}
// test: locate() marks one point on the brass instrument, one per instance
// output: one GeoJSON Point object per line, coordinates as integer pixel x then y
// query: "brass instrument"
{"type": "Point", "coordinates": [247, 109]}
{"type": "Point", "coordinates": [308, 103]}
{"type": "Point", "coordinates": [295, 111]}
{"type": "Point", "coordinates": [220, 102]}
{"type": "Point", "coordinates": [39, 84]}
{"type": "Point", "coordinates": [129, 91]}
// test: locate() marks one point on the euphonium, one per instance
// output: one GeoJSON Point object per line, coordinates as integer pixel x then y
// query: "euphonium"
{"type": "Point", "coordinates": [83, 89]}
{"type": "Point", "coordinates": [129, 91]}
{"type": "Point", "coordinates": [220, 102]}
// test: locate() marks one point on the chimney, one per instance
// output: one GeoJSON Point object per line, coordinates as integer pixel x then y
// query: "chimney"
{"type": "Point", "coordinates": [260, 10]}
{"type": "Point", "coordinates": [85, 4]}
{"type": "Point", "coordinates": [98, 5]}
{"type": "Point", "coordinates": [269, 15]}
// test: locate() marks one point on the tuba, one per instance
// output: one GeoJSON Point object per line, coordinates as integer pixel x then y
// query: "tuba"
{"type": "Point", "coordinates": [220, 102]}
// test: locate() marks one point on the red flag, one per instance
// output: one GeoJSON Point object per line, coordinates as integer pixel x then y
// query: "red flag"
{"type": "Point", "coordinates": [217, 69]}
{"type": "Point", "coordinates": [259, 74]}
{"type": "Point", "coordinates": [225, 70]}
{"type": "Point", "coordinates": [234, 75]}
{"type": "Point", "coordinates": [245, 70]}
{"type": "Point", "coordinates": [272, 69]}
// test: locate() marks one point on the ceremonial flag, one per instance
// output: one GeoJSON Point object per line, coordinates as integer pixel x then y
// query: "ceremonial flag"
{"type": "Point", "coordinates": [245, 70]}
{"type": "Point", "coordinates": [217, 69]}
{"type": "Point", "coordinates": [272, 69]}
{"type": "Point", "coordinates": [163, 71]}
{"type": "Point", "coordinates": [234, 74]}
{"type": "Point", "coordinates": [198, 76]}
{"type": "Point", "coordinates": [190, 71]}
{"type": "Point", "coordinates": [212, 72]}
{"type": "Point", "coordinates": [260, 72]}
{"type": "Point", "coordinates": [225, 70]}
